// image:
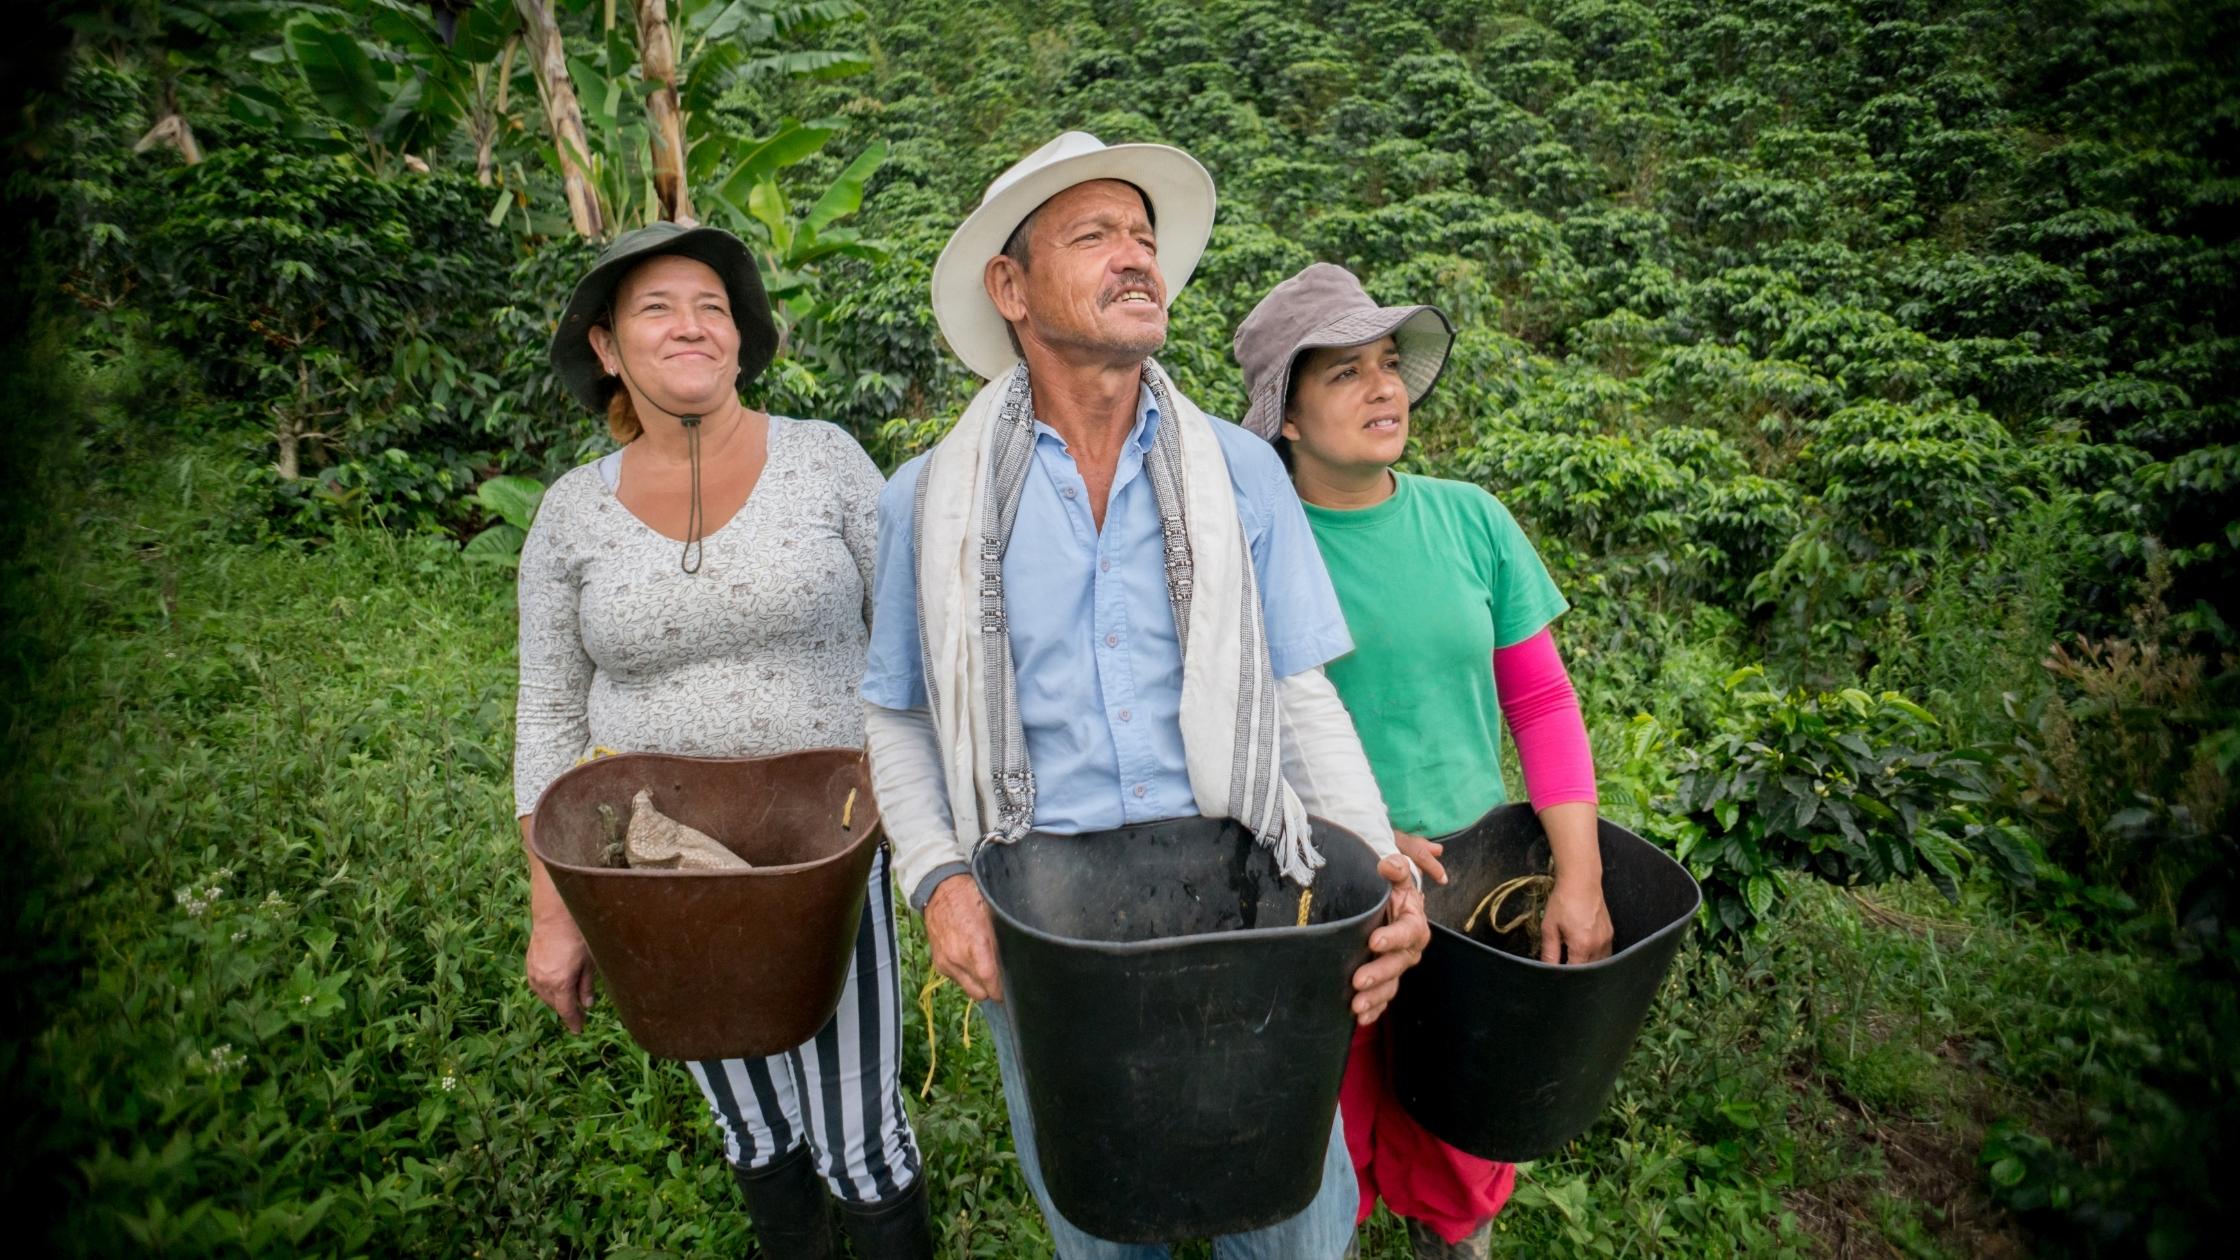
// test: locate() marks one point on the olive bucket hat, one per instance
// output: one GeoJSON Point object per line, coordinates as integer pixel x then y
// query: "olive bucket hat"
{"type": "Point", "coordinates": [573, 359]}
{"type": "Point", "coordinates": [1323, 307]}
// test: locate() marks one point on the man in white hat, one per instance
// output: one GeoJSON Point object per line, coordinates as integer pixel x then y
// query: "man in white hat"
{"type": "Point", "coordinates": [1026, 670]}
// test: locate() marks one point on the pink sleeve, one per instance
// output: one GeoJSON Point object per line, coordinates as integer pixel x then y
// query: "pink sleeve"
{"type": "Point", "coordinates": [1544, 719]}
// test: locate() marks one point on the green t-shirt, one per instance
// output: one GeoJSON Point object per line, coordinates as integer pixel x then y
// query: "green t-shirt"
{"type": "Point", "coordinates": [1432, 580]}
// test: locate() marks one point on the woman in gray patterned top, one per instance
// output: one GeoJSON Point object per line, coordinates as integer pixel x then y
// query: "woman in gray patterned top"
{"type": "Point", "coordinates": [706, 590]}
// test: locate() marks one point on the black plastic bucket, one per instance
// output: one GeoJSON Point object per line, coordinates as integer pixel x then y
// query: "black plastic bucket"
{"type": "Point", "coordinates": [1507, 1057]}
{"type": "Point", "coordinates": [1181, 1038]}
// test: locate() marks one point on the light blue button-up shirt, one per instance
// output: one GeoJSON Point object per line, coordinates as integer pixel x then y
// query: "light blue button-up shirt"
{"type": "Point", "coordinates": [1092, 633]}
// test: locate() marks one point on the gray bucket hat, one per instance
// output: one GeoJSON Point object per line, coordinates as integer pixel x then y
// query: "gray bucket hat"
{"type": "Point", "coordinates": [577, 364]}
{"type": "Point", "coordinates": [1324, 306]}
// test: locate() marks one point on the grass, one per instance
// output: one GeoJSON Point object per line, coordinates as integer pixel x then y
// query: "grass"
{"type": "Point", "coordinates": [268, 916]}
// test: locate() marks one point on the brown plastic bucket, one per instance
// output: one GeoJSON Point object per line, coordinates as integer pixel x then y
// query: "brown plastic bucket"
{"type": "Point", "coordinates": [719, 964]}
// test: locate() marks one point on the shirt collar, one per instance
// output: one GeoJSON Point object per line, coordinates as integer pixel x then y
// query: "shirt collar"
{"type": "Point", "coordinates": [1147, 420]}
{"type": "Point", "coordinates": [1139, 438]}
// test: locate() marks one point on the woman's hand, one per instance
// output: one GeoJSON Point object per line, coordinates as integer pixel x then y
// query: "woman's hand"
{"type": "Point", "coordinates": [1575, 924]}
{"type": "Point", "coordinates": [559, 964]}
{"type": "Point", "coordinates": [561, 972]}
{"type": "Point", "coordinates": [1398, 944]}
{"type": "Point", "coordinates": [1424, 853]}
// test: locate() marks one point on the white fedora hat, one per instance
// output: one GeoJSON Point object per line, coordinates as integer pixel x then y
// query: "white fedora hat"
{"type": "Point", "coordinates": [1181, 196]}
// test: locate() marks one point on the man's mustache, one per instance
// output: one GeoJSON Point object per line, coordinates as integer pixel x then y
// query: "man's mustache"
{"type": "Point", "coordinates": [1127, 282]}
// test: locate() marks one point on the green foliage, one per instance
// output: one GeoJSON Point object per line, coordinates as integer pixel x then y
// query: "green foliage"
{"type": "Point", "coordinates": [312, 802]}
{"type": "Point", "coordinates": [736, 41]}
{"type": "Point", "coordinates": [797, 243]}
{"type": "Point", "coordinates": [725, 50]}
{"type": "Point", "coordinates": [1851, 788]}
{"type": "Point", "coordinates": [513, 500]}
{"type": "Point", "coordinates": [391, 114]}
{"type": "Point", "coordinates": [279, 784]}
{"type": "Point", "coordinates": [339, 314]}
{"type": "Point", "coordinates": [2153, 1093]}
{"type": "Point", "coordinates": [1883, 347]}
{"type": "Point", "coordinates": [1978, 632]}
{"type": "Point", "coordinates": [2125, 764]}
{"type": "Point", "coordinates": [1834, 238]}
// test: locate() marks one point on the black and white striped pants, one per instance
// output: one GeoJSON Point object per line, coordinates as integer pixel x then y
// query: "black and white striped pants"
{"type": "Point", "coordinates": [840, 1091]}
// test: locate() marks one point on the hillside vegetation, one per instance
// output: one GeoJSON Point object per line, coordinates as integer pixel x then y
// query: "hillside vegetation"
{"type": "Point", "coordinates": [1865, 372]}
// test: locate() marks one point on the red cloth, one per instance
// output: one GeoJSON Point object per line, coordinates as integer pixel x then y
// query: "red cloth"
{"type": "Point", "coordinates": [1416, 1174]}
{"type": "Point", "coordinates": [1544, 720]}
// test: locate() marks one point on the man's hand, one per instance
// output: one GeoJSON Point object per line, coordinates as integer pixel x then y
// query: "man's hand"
{"type": "Point", "coordinates": [1424, 853]}
{"type": "Point", "coordinates": [963, 938]}
{"type": "Point", "coordinates": [1398, 944]}
{"type": "Point", "coordinates": [1575, 924]}
{"type": "Point", "coordinates": [561, 972]}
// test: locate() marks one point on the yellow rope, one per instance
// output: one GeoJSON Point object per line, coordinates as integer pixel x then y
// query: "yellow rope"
{"type": "Point", "coordinates": [1536, 889]}
{"type": "Point", "coordinates": [1306, 902]}
{"type": "Point", "coordinates": [934, 981]}
{"type": "Point", "coordinates": [848, 810]}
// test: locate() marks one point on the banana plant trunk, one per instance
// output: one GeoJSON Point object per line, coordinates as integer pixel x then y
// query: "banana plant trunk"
{"type": "Point", "coordinates": [563, 114]}
{"type": "Point", "coordinates": [657, 52]}
{"type": "Point", "coordinates": [488, 117]}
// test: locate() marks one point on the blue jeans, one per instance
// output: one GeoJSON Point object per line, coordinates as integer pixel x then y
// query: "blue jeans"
{"type": "Point", "coordinates": [1320, 1232]}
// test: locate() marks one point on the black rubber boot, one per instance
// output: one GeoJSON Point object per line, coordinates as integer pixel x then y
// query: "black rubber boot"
{"type": "Point", "coordinates": [1426, 1244]}
{"type": "Point", "coordinates": [900, 1228]}
{"type": "Point", "coordinates": [786, 1201]}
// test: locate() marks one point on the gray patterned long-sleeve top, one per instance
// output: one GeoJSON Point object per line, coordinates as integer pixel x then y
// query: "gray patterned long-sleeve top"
{"type": "Point", "coordinates": [761, 652]}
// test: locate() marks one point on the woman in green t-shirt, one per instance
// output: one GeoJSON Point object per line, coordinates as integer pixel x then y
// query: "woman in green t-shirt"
{"type": "Point", "coordinates": [1450, 608]}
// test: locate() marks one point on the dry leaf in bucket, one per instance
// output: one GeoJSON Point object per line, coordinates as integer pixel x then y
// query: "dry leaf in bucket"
{"type": "Point", "coordinates": [613, 855]}
{"type": "Point", "coordinates": [659, 842]}
{"type": "Point", "coordinates": [1505, 936]}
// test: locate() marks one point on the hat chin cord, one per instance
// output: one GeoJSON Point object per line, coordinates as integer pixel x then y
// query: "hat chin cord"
{"type": "Point", "coordinates": [695, 521]}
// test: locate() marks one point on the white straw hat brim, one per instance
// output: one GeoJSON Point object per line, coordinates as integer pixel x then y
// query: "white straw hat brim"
{"type": "Point", "coordinates": [1182, 201]}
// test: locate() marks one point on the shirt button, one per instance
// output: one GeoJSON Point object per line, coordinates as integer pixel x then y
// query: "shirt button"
{"type": "Point", "coordinates": [1126, 714]}
{"type": "Point", "coordinates": [1139, 789]}
{"type": "Point", "coordinates": [1112, 640]}
{"type": "Point", "coordinates": [1069, 492]}
{"type": "Point", "coordinates": [1104, 566]}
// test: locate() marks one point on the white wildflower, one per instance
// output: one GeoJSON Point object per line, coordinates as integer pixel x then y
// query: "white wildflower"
{"type": "Point", "coordinates": [450, 1083]}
